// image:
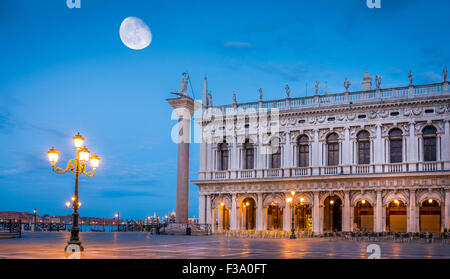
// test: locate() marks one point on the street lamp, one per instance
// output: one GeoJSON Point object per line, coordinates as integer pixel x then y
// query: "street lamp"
{"type": "Point", "coordinates": [35, 212]}
{"type": "Point", "coordinates": [117, 215]}
{"type": "Point", "coordinates": [290, 200]}
{"type": "Point", "coordinates": [77, 166]}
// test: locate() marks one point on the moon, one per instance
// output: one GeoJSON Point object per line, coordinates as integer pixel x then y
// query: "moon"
{"type": "Point", "coordinates": [135, 34]}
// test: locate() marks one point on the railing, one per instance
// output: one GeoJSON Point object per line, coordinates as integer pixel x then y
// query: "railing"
{"type": "Point", "coordinates": [358, 169]}
{"type": "Point", "coordinates": [330, 170]}
{"type": "Point", "coordinates": [273, 172]}
{"type": "Point", "coordinates": [247, 174]}
{"type": "Point", "coordinates": [326, 170]}
{"type": "Point", "coordinates": [305, 171]}
{"type": "Point", "coordinates": [395, 167]}
{"type": "Point", "coordinates": [430, 166]}
{"type": "Point", "coordinates": [342, 98]}
{"type": "Point", "coordinates": [10, 228]}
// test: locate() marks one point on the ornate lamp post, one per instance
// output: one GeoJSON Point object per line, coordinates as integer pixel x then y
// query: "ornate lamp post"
{"type": "Point", "coordinates": [117, 215]}
{"type": "Point", "coordinates": [76, 166]}
{"type": "Point", "coordinates": [35, 212]}
{"type": "Point", "coordinates": [290, 200]}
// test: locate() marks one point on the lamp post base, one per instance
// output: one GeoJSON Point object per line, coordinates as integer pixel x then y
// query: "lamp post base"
{"type": "Point", "coordinates": [293, 236]}
{"type": "Point", "coordinates": [74, 246]}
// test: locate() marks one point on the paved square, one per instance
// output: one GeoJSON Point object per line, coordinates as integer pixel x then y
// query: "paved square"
{"type": "Point", "coordinates": [50, 245]}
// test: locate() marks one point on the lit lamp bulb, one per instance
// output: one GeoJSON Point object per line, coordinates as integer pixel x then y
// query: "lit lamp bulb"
{"type": "Point", "coordinates": [302, 199]}
{"type": "Point", "coordinates": [68, 204]}
{"type": "Point", "coordinates": [53, 156]}
{"type": "Point", "coordinates": [73, 198]}
{"type": "Point", "coordinates": [363, 201]}
{"type": "Point", "coordinates": [396, 202]}
{"type": "Point", "coordinates": [221, 204]}
{"type": "Point", "coordinates": [78, 141]}
{"type": "Point", "coordinates": [331, 202]}
{"type": "Point", "coordinates": [84, 155]}
{"type": "Point", "coordinates": [247, 204]}
{"type": "Point", "coordinates": [79, 204]}
{"type": "Point", "coordinates": [116, 215]}
{"type": "Point", "coordinates": [430, 201]}
{"type": "Point", "coordinates": [95, 161]}
{"type": "Point", "coordinates": [293, 193]}
{"type": "Point", "coordinates": [289, 200]}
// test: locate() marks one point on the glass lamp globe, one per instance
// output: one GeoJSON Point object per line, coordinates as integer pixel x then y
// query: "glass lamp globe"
{"type": "Point", "coordinates": [84, 155]}
{"type": "Point", "coordinates": [53, 156]}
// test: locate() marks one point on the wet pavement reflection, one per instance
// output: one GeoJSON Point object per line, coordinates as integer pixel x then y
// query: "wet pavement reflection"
{"type": "Point", "coordinates": [115, 245]}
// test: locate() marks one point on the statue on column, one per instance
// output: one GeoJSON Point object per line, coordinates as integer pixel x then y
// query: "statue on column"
{"type": "Point", "coordinates": [445, 74]}
{"type": "Point", "coordinates": [410, 76]}
{"type": "Point", "coordinates": [378, 81]}
{"type": "Point", "coordinates": [346, 84]}
{"type": "Point", "coordinates": [184, 83]}
{"type": "Point", "coordinates": [288, 91]}
{"type": "Point", "coordinates": [210, 102]}
{"type": "Point", "coordinates": [234, 97]}
{"type": "Point", "coordinates": [260, 94]}
{"type": "Point", "coordinates": [317, 87]}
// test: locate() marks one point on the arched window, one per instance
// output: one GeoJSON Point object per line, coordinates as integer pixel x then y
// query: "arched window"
{"type": "Point", "coordinates": [396, 145]}
{"type": "Point", "coordinates": [303, 151]}
{"type": "Point", "coordinates": [429, 143]}
{"type": "Point", "coordinates": [333, 149]}
{"type": "Point", "coordinates": [223, 153]}
{"type": "Point", "coordinates": [275, 157]}
{"type": "Point", "coordinates": [363, 147]}
{"type": "Point", "coordinates": [249, 153]}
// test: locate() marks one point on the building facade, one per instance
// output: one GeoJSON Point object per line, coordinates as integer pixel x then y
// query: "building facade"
{"type": "Point", "coordinates": [376, 160]}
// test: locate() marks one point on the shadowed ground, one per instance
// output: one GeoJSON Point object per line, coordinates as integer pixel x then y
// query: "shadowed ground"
{"type": "Point", "coordinates": [144, 245]}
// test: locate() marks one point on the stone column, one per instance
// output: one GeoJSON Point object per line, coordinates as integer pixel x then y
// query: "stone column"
{"type": "Point", "coordinates": [259, 212]}
{"type": "Point", "coordinates": [233, 219]}
{"type": "Point", "coordinates": [201, 209]}
{"type": "Point", "coordinates": [287, 218]}
{"type": "Point", "coordinates": [411, 226]}
{"type": "Point", "coordinates": [346, 213]}
{"type": "Point", "coordinates": [316, 214]}
{"type": "Point", "coordinates": [208, 211]}
{"type": "Point", "coordinates": [446, 142]}
{"type": "Point", "coordinates": [184, 108]}
{"type": "Point", "coordinates": [379, 213]}
{"type": "Point", "coordinates": [412, 148]}
{"type": "Point", "coordinates": [446, 222]}
{"type": "Point", "coordinates": [315, 162]}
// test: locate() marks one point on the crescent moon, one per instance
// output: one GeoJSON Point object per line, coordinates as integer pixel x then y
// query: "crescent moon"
{"type": "Point", "coordinates": [134, 33]}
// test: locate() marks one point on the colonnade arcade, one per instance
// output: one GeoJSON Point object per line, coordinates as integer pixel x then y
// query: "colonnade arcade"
{"type": "Point", "coordinates": [407, 210]}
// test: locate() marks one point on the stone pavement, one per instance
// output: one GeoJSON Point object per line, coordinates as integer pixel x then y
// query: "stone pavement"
{"type": "Point", "coordinates": [50, 245]}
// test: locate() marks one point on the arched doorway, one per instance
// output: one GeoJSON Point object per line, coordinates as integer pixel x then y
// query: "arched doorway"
{"type": "Point", "coordinates": [248, 214]}
{"type": "Point", "coordinates": [396, 218]}
{"type": "Point", "coordinates": [363, 216]}
{"type": "Point", "coordinates": [430, 216]}
{"type": "Point", "coordinates": [303, 217]}
{"type": "Point", "coordinates": [223, 217]}
{"type": "Point", "coordinates": [332, 218]}
{"type": "Point", "coordinates": [274, 217]}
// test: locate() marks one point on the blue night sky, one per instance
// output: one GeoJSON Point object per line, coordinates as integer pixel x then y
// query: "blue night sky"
{"type": "Point", "coordinates": [66, 70]}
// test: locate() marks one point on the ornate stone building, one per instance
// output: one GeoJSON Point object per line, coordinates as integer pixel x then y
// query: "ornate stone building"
{"type": "Point", "coordinates": [376, 160]}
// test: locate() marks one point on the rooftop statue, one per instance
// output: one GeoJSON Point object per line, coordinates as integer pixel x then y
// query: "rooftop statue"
{"type": "Point", "coordinates": [317, 88]}
{"type": "Point", "coordinates": [410, 76]}
{"type": "Point", "coordinates": [346, 84]}
{"type": "Point", "coordinates": [445, 73]}
{"type": "Point", "coordinates": [260, 94]}
{"type": "Point", "coordinates": [288, 91]}
{"type": "Point", "coordinates": [378, 81]}
{"type": "Point", "coordinates": [234, 97]}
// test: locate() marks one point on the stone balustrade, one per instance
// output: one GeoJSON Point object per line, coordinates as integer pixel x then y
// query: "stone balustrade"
{"type": "Point", "coordinates": [323, 171]}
